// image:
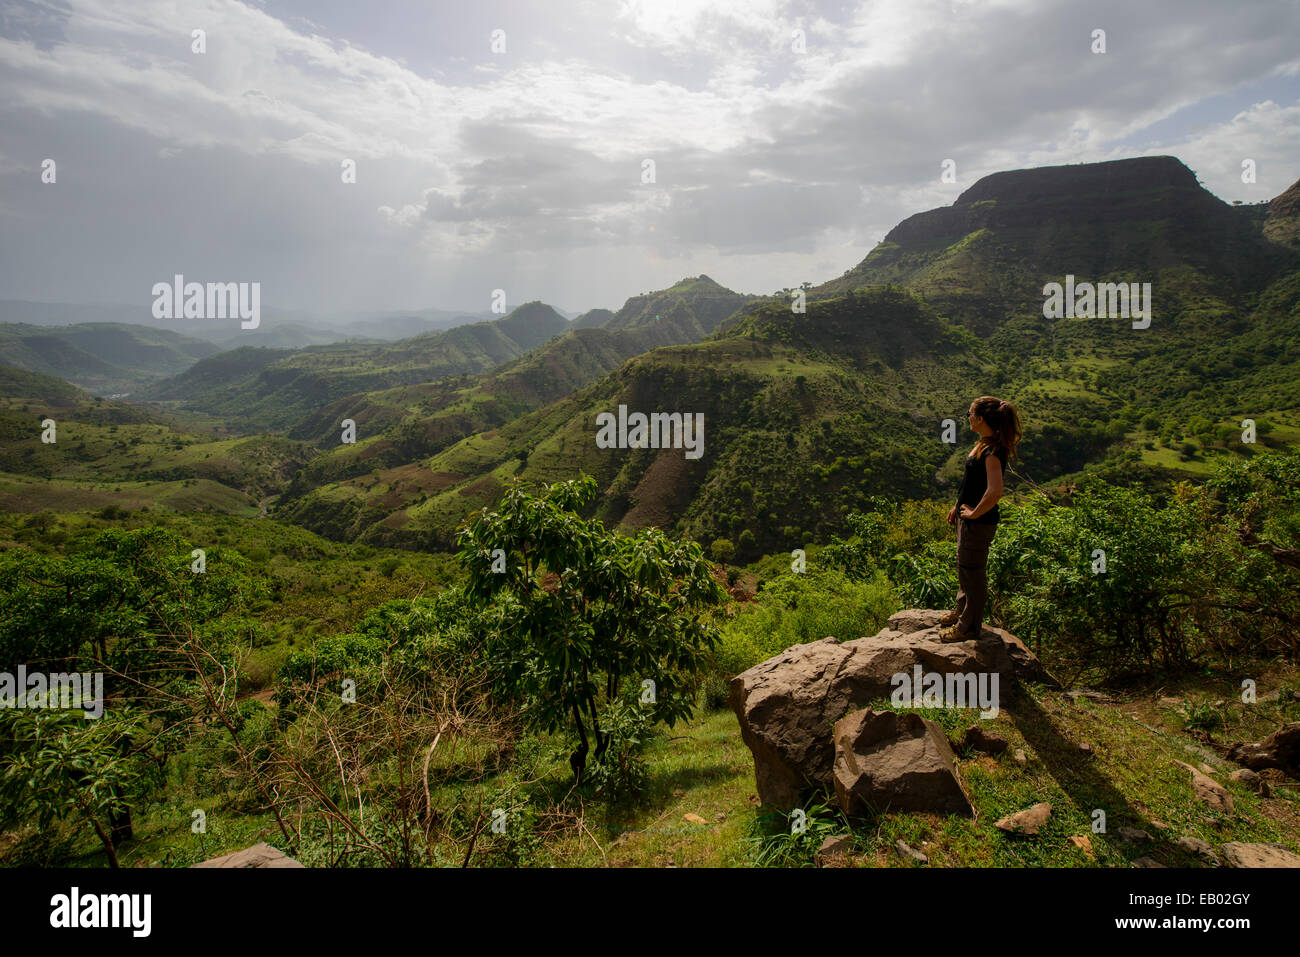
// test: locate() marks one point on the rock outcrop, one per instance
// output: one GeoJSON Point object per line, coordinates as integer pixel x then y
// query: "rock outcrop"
{"type": "Point", "coordinates": [787, 705]}
{"type": "Point", "coordinates": [259, 855]}
{"type": "Point", "coordinates": [1239, 854]}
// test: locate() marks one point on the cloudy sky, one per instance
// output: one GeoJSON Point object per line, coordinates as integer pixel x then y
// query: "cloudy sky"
{"type": "Point", "coordinates": [787, 137]}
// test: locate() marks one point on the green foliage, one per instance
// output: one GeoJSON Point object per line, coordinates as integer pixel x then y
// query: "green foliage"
{"type": "Point", "coordinates": [926, 578]}
{"type": "Point", "coordinates": [860, 556]}
{"type": "Point", "coordinates": [401, 644]}
{"type": "Point", "coordinates": [127, 604]}
{"type": "Point", "coordinates": [1204, 716]}
{"type": "Point", "coordinates": [721, 550]}
{"type": "Point", "coordinates": [111, 600]}
{"type": "Point", "coordinates": [791, 840]}
{"type": "Point", "coordinates": [612, 609]}
{"type": "Point", "coordinates": [793, 609]}
{"type": "Point", "coordinates": [890, 540]}
{"type": "Point", "coordinates": [623, 773]}
{"type": "Point", "coordinates": [59, 763]}
{"type": "Point", "coordinates": [1182, 577]}
{"type": "Point", "coordinates": [1048, 583]}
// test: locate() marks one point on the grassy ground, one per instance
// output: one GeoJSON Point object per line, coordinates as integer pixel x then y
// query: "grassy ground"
{"type": "Point", "coordinates": [1131, 777]}
{"type": "Point", "coordinates": [700, 808]}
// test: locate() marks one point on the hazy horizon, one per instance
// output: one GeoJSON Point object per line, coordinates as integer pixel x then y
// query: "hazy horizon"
{"type": "Point", "coordinates": [522, 169]}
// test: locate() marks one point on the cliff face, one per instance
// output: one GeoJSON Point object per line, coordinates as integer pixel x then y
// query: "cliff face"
{"type": "Point", "coordinates": [1085, 179]}
{"type": "Point", "coordinates": [1147, 188]}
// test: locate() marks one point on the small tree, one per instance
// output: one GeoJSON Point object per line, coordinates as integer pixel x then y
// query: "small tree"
{"type": "Point", "coordinates": [58, 764]}
{"type": "Point", "coordinates": [610, 609]}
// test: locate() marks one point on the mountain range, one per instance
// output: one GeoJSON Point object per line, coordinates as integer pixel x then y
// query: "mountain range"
{"type": "Point", "coordinates": [807, 413]}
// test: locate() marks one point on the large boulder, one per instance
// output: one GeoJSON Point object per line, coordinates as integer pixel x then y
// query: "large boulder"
{"type": "Point", "coordinates": [896, 761]}
{"type": "Point", "coordinates": [259, 855]}
{"type": "Point", "coordinates": [787, 704]}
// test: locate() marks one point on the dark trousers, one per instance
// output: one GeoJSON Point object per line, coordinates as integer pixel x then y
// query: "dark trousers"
{"type": "Point", "coordinates": [973, 540]}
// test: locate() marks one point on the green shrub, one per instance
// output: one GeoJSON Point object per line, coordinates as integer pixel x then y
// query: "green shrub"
{"type": "Point", "coordinates": [794, 609]}
{"type": "Point", "coordinates": [621, 774]}
{"type": "Point", "coordinates": [793, 839]}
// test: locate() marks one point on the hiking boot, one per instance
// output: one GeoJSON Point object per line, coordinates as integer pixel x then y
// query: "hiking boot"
{"type": "Point", "coordinates": [948, 619]}
{"type": "Point", "coordinates": [949, 635]}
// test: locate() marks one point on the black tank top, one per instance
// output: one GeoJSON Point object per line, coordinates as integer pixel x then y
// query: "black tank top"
{"type": "Point", "coordinates": [975, 482]}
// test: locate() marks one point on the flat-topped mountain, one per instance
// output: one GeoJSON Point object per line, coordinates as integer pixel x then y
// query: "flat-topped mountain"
{"type": "Point", "coordinates": [1118, 191]}
{"type": "Point", "coordinates": [1011, 231]}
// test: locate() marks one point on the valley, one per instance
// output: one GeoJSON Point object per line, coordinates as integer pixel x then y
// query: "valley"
{"type": "Point", "coordinates": [1171, 439]}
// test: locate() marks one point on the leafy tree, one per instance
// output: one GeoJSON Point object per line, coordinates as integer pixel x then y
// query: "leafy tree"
{"type": "Point", "coordinates": [581, 610]}
{"type": "Point", "coordinates": [722, 549]}
{"type": "Point", "coordinates": [125, 604]}
{"type": "Point", "coordinates": [61, 763]}
{"type": "Point", "coordinates": [1101, 581]}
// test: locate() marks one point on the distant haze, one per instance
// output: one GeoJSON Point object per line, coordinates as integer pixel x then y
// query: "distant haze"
{"type": "Point", "coordinates": [522, 170]}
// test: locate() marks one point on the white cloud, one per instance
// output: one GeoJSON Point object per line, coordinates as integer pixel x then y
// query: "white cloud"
{"type": "Point", "coordinates": [770, 163]}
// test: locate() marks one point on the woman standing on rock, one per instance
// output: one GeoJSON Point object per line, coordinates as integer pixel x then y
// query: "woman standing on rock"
{"type": "Point", "coordinates": [976, 513]}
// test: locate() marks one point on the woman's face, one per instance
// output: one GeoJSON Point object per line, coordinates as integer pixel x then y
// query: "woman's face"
{"type": "Point", "coordinates": [973, 419]}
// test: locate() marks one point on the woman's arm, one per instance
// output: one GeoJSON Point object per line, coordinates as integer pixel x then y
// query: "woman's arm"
{"type": "Point", "coordinates": [992, 469]}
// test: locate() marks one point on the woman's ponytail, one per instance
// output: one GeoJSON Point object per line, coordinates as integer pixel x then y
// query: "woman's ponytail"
{"type": "Point", "coordinates": [1003, 419]}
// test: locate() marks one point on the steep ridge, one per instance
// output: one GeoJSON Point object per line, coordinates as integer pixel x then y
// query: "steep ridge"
{"type": "Point", "coordinates": [415, 421]}
{"type": "Point", "coordinates": [1282, 223]}
{"type": "Point", "coordinates": [807, 414]}
{"type": "Point", "coordinates": [277, 393]}
{"type": "Point", "coordinates": [758, 395]}
{"type": "Point", "coordinates": [19, 385]}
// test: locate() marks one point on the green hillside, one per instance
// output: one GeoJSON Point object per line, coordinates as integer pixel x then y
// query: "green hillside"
{"type": "Point", "coordinates": [108, 453]}
{"type": "Point", "coordinates": [18, 383]}
{"type": "Point", "coordinates": [809, 414]}
{"type": "Point", "coordinates": [266, 389]}
{"type": "Point", "coordinates": [101, 357]}
{"type": "Point", "coordinates": [412, 422]}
